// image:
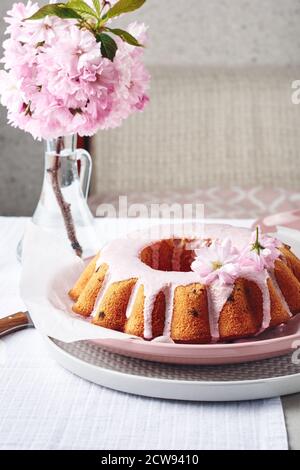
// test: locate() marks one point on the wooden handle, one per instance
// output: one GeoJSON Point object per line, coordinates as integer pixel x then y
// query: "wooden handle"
{"type": "Point", "coordinates": [13, 322]}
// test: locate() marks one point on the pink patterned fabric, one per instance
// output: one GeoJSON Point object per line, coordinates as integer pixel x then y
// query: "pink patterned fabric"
{"type": "Point", "coordinates": [234, 202]}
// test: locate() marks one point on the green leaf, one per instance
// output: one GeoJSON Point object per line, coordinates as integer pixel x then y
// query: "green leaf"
{"type": "Point", "coordinates": [97, 6]}
{"type": "Point", "coordinates": [55, 9]}
{"type": "Point", "coordinates": [108, 46]}
{"type": "Point", "coordinates": [82, 8]}
{"type": "Point", "coordinates": [123, 6]}
{"type": "Point", "coordinates": [125, 36]}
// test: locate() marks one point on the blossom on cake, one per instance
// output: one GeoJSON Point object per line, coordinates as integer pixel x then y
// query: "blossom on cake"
{"type": "Point", "coordinates": [219, 261]}
{"type": "Point", "coordinates": [57, 82]}
{"type": "Point", "coordinates": [261, 252]}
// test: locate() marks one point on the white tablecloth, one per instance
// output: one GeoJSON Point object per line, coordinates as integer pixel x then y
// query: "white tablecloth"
{"type": "Point", "coordinates": [45, 407]}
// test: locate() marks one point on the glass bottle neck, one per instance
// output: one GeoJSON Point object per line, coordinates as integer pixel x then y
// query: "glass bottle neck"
{"type": "Point", "coordinates": [61, 161]}
{"type": "Point", "coordinates": [62, 146]}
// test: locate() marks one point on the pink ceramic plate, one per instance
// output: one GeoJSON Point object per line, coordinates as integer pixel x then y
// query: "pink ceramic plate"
{"type": "Point", "coordinates": [276, 342]}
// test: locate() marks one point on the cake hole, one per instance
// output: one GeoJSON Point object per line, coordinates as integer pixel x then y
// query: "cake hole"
{"type": "Point", "coordinates": [169, 255]}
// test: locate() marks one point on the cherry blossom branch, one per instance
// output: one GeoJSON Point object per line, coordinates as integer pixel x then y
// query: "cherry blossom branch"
{"type": "Point", "coordinates": [95, 20]}
{"type": "Point", "coordinates": [64, 206]}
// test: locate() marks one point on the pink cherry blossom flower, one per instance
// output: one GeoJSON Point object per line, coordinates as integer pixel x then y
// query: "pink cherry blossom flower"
{"type": "Point", "coordinates": [56, 81]}
{"type": "Point", "coordinates": [261, 252]}
{"type": "Point", "coordinates": [15, 17]}
{"type": "Point", "coordinates": [10, 91]}
{"type": "Point", "coordinates": [46, 30]}
{"type": "Point", "coordinates": [219, 261]}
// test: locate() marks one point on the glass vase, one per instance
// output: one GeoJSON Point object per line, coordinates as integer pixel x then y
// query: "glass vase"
{"type": "Point", "coordinates": [62, 207]}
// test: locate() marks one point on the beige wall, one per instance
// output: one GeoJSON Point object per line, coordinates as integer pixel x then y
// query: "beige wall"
{"type": "Point", "coordinates": [222, 32]}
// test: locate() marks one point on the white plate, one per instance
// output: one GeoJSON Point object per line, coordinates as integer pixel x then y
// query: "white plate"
{"type": "Point", "coordinates": [264, 379]}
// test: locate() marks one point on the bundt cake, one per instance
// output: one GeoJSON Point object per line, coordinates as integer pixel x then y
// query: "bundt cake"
{"type": "Point", "coordinates": [211, 283]}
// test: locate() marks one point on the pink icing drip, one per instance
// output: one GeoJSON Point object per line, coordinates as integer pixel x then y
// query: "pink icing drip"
{"type": "Point", "coordinates": [169, 293]}
{"type": "Point", "coordinates": [217, 295]}
{"type": "Point", "coordinates": [132, 299]}
{"type": "Point", "coordinates": [148, 309]}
